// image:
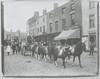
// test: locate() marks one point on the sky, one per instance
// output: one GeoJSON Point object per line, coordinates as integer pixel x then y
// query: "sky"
{"type": "Point", "coordinates": [16, 13]}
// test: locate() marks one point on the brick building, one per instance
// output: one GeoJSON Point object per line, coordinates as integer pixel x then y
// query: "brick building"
{"type": "Point", "coordinates": [55, 21]}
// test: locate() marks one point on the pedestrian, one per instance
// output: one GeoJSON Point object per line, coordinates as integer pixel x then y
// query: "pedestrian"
{"type": "Point", "coordinates": [8, 49]}
{"type": "Point", "coordinates": [91, 48]}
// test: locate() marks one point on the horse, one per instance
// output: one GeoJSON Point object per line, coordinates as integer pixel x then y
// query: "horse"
{"type": "Point", "coordinates": [77, 51]}
{"type": "Point", "coordinates": [59, 52]}
{"type": "Point", "coordinates": [40, 50]}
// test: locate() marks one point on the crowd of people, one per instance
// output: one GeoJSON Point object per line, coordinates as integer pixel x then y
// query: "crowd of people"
{"type": "Point", "coordinates": [52, 49]}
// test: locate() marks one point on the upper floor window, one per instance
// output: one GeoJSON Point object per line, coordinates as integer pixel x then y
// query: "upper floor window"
{"type": "Point", "coordinates": [43, 28]}
{"type": "Point", "coordinates": [63, 23]}
{"type": "Point", "coordinates": [50, 15]}
{"type": "Point", "coordinates": [56, 25]}
{"type": "Point", "coordinates": [91, 4]}
{"type": "Point", "coordinates": [40, 29]}
{"type": "Point", "coordinates": [50, 25]}
{"type": "Point", "coordinates": [92, 21]}
{"type": "Point", "coordinates": [72, 6]}
{"type": "Point", "coordinates": [63, 10]}
{"type": "Point", "coordinates": [73, 18]}
{"type": "Point", "coordinates": [43, 19]}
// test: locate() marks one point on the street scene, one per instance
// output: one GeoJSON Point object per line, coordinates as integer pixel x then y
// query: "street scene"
{"type": "Point", "coordinates": [51, 38]}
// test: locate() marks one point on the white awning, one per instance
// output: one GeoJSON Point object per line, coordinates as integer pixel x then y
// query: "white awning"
{"type": "Point", "coordinates": [64, 35]}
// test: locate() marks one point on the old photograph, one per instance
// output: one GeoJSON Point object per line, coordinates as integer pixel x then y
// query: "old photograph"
{"type": "Point", "coordinates": [50, 38]}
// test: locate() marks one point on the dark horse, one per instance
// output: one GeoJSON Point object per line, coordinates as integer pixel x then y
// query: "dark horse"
{"type": "Point", "coordinates": [78, 49]}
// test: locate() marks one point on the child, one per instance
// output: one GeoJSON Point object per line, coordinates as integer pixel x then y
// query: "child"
{"type": "Point", "coordinates": [8, 49]}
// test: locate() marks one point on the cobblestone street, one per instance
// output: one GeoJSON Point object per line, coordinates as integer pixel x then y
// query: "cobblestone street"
{"type": "Point", "coordinates": [18, 65]}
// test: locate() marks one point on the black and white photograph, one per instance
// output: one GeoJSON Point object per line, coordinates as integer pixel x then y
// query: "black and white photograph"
{"type": "Point", "coordinates": [50, 38]}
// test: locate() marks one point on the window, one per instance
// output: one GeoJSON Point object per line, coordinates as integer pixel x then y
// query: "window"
{"type": "Point", "coordinates": [40, 29]}
{"type": "Point", "coordinates": [92, 20]}
{"type": "Point", "coordinates": [50, 27]}
{"type": "Point", "coordinates": [63, 23]}
{"type": "Point", "coordinates": [50, 15]}
{"type": "Point", "coordinates": [73, 18]}
{"type": "Point", "coordinates": [72, 6]}
{"type": "Point", "coordinates": [91, 4]}
{"type": "Point", "coordinates": [43, 28]}
{"type": "Point", "coordinates": [56, 25]}
{"type": "Point", "coordinates": [37, 22]}
{"type": "Point", "coordinates": [63, 10]}
{"type": "Point", "coordinates": [43, 20]}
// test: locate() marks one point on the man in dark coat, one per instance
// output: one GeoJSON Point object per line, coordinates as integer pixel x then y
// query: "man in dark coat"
{"type": "Point", "coordinates": [91, 48]}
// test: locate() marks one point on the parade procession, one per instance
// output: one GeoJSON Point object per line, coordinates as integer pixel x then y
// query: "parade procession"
{"type": "Point", "coordinates": [62, 40]}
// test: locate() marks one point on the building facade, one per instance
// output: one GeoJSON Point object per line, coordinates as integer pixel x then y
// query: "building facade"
{"type": "Point", "coordinates": [81, 14]}
{"type": "Point", "coordinates": [90, 21]}
{"type": "Point", "coordinates": [55, 21]}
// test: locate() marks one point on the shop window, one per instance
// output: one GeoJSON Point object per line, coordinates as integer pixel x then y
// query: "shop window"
{"type": "Point", "coordinates": [56, 25]}
{"type": "Point", "coordinates": [92, 38]}
{"type": "Point", "coordinates": [92, 21]}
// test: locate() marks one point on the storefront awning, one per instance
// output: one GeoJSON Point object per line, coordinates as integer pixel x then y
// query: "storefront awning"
{"type": "Point", "coordinates": [68, 34]}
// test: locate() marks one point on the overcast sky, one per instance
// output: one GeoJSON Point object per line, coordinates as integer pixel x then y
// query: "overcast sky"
{"type": "Point", "coordinates": [16, 13]}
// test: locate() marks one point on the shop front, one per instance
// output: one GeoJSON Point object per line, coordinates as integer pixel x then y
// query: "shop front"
{"type": "Point", "coordinates": [93, 37]}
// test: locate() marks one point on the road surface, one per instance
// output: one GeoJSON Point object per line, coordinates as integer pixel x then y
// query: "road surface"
{"type": "Point", "coordinates": [18, 65]}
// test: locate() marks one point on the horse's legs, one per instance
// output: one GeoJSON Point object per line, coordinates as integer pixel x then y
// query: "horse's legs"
{"type": "Point", "coordinates": [74, 58]}
{"type": "Point", "coordinates": [68, 56]}
{"type": "Point", "coordinates": [37, 56]}
{"type": "Point", "coordinates": [79, 61]}
{"type": "Point", "coordinates": [32, 53]}
{"type": "Point", "coordinates": [55, 61]}
{"type": "Point", "coordinates": [64, 62]}
{"type": "Point", "coordinates": [8, 53]}
{"type": "Point", "coordinates": [45, 57]}
{"type": "Point", "coordinates": [13, 51]}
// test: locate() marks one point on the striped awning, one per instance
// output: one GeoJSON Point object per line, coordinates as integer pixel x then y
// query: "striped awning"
{"type": "Point", "coordinates": [64, 35]}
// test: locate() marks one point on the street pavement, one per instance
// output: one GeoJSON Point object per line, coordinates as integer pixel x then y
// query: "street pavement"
{"type": "Point", "coordinates": [18, 65]}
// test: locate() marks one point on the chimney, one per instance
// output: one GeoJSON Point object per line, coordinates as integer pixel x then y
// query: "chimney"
{"type": "Point", "coordinates": [36, 14]}
{"type": "Point", "coordinates": [55, 5]}
{"type": "Point", "coordinates": [44, 12]}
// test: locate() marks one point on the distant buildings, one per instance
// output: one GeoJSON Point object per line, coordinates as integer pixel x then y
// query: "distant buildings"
{"type": "Point", "coordinates": [14, 35]}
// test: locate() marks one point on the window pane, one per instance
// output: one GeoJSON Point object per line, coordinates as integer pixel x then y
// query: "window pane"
{"type": "Point", "coordinates": [63, 23]}
{"type": "Point", "coordinates": [92, 19]}
{"type": "Point", "coordinates": [63, 10]}
{"type": "Point", "coordinates": [43, 28]}
{"type": "Point", "coordinates": [56, 25]}
{"type": "Point", "coordinates": [91, 4]}
{"type": "Point", "coordinates": [50, 27]}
